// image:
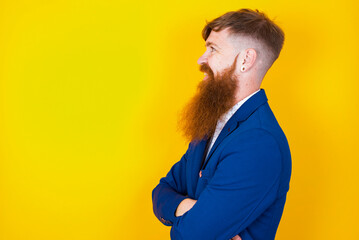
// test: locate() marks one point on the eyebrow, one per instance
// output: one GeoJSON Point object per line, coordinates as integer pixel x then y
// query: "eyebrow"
{"type": "Point", "coordinates": [211, 43]}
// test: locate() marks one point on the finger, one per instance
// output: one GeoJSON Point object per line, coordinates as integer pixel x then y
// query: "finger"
{"type": "Point", "coordinates": [237, 237]}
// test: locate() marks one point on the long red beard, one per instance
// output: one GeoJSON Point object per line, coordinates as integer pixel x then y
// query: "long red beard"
{"type": "Point", "coordinates": [214, 97]}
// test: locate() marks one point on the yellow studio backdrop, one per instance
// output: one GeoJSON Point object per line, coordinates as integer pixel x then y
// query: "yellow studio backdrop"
{"type": "Point", "coordinates": [90, 93]}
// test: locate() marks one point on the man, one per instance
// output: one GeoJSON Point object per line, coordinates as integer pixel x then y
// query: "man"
{"type": "Point", "coordinates": [233, 180]}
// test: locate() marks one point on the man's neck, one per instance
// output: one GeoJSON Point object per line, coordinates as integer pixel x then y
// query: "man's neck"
{"type": "Point", "coordinates": [245, 92]}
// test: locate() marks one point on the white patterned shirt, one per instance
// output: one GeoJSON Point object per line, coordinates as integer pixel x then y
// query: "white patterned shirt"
{"type": "Point", "coordinates": [224, 119]}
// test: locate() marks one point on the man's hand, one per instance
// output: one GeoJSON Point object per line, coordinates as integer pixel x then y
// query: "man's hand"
{"type": "Point", "coordinates": [185, 206]}
{"type": "Point", "coordinates": [237, 237]}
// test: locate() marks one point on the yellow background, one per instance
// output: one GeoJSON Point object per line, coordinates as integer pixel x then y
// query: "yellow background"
{"type": "Point", "coordinates": [90, 93]}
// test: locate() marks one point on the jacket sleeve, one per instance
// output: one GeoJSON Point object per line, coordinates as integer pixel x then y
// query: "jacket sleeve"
{"type": "Point", "coordinates": [170, 192]}
{"type": "Point", "coordinates": [242, 187]}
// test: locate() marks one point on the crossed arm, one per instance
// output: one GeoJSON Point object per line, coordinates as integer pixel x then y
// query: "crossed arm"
{"type": "Point", "coordinates": [243, 186]}
{"type": "Point", "coordinates": [186, 205]}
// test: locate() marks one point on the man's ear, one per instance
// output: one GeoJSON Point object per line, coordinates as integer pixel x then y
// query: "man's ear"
{"type": "Point", "coordinates": [247, 59]}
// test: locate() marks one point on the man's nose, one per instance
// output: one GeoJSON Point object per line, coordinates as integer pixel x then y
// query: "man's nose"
{"type": "Point", "coordinates": [202, 59]}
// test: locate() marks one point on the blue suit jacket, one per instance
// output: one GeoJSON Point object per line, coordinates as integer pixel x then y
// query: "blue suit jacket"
{"type": "Point", "coordinates": [244, 180]}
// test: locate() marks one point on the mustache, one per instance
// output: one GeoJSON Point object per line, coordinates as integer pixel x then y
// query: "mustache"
{"type": "Point", "coordinates": [206, 69]}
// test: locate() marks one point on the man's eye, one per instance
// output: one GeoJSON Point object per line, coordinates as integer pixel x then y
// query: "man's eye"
{"type": "Point", "coordinates": [213, 49]}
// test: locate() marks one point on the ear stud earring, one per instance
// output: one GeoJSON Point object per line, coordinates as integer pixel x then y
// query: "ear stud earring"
{"type": "Point", "coordinates": [243, 68]}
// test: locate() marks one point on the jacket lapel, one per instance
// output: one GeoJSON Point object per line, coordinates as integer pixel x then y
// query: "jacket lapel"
{"type": "Point", "coordinates": [239, 116]}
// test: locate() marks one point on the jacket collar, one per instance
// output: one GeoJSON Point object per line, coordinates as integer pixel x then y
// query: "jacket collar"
{"type": "Point", "coordinates": [250, 106]}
